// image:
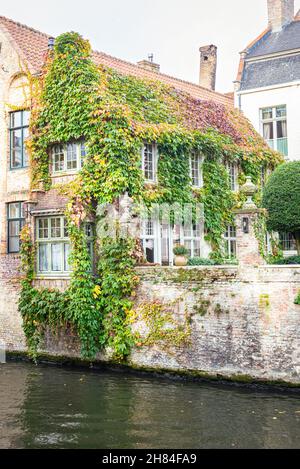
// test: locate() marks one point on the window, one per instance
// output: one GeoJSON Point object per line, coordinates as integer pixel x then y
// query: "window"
{"type": "Point", "coordinates": [230, 242]}
{"type": "Point", "coordinates": [54, 246]}
{"type": "Point", "coordinates": [192, 240]}
{"type": "Point", "coordinates": [195, 170]}
{"type": "Point", "coordinates": [287, 242]}
{"type": "Point", "coordinates": [19, 122]}
{"type": "Point", "coordinates": [233, 176]}
{"type": "Point", "coordinates": [68, 158]}
{"type": "Point", "coordinates": [16, 221]}
{"type": "Point", "coordinates": [274, 128]}
{"type": "Point", "coordinates": [149, 240]}
{"type": "Point", "coordinates": [149, 162]}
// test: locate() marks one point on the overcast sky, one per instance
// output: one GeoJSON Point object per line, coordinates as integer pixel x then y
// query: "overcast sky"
{"type": "Point", "coordinates": [171, 29]}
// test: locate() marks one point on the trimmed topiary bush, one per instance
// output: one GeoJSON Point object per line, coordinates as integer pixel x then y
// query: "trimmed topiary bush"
{"type": "Point", "coordinates": [281, 198]}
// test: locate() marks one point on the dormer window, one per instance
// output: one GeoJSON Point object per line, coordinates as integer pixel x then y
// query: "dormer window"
{"type": "Point", "coordinates": [196, 170]}
{"type": "Point", "coordinates": [149, 162]}
{"type": "Point", "coordinates": [68, 158]}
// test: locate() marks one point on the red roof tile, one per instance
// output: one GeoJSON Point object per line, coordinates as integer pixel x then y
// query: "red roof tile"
{"type": "Point", "coordinates": [31, 45]}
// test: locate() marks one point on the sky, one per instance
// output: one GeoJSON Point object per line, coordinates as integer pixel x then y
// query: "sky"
{"type": "Point", "coordinates": [173, 30]}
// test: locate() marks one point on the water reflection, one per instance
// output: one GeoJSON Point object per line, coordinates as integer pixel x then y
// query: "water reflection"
{"type": "Point", "coordinates": [45, 407]}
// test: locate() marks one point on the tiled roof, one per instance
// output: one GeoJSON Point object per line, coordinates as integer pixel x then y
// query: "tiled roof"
{"type": "Point", "coordinates": [271, 72]}
{"type": "Point", "coordinates": [31, 45]}
{"type": "Point", "coordinates": [285, 40]}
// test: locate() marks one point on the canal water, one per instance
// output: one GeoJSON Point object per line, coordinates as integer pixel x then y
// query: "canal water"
{"type": "Point", "coordinates": [50, 407]}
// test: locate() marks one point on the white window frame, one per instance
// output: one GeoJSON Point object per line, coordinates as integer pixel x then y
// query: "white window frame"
{"type": "Point", "coordinates": [80, 155]}
{"type": "Point", "coordinates": [230, 238]}
{"type": "Point", "coordinates": [192, 238]}
{"type": "Point", "coordinates": [63, 240]}
{"type": "Point", "coordinates": [155, 160]}
{"type": "Point", "coordinates": [233, 173]}
{"type": "Point", "coordinates": [273, 120]}
{"type": "Point", "coordinates": [199, 176]}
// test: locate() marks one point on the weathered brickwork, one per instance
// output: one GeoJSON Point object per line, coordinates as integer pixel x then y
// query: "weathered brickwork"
{"type": "Point", "coordinates": [244, 321]}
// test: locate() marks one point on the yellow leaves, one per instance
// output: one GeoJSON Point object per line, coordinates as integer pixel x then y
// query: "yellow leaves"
{"type": "Point", "coordinates": [97, 292]}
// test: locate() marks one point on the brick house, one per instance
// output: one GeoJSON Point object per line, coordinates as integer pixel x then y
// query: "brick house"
{"type": "Point", "coordinates": [23, 53]}
{"type": "Point", "coordinates": [267, 86]}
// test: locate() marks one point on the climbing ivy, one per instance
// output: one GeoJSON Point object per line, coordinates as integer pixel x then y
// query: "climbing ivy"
{"type": "Point", "coordinates": [114, 114]}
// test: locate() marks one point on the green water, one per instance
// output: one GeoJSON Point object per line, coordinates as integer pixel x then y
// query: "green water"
{"type": "Point", "coordinates": [49, 407]}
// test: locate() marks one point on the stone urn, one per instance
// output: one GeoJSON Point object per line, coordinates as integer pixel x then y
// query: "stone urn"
{"type": "Point", "coordinates": [180, 259]}
{"type": "Point", "coordinates": [249, 189]}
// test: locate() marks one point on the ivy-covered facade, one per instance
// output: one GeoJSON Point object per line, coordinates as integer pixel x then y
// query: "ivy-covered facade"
{"type": "Point", "coordinates": [98, 138]}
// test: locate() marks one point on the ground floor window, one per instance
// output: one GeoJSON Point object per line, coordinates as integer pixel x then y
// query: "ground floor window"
{"type": "Point", "coordinates": [159, 239]}
{"type": "Point", "coordinates": [287, 242]}
{"type": "Point", "coordinates": [54, 245]}
{"type": "Point", "coordinates": [230, 242]}
{"type": "Point", "coordinates": [15, 222]}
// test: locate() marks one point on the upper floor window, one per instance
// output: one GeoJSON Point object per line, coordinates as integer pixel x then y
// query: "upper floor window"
{"type": "Point", "coordinates": [233, 176]}
{"type": "Point", "coordinates": [230, 242]}
{"type": "Point", "coordinates": [149, 162]}
{"type": "Point", "coordinates": [68, 158]}
{"type": "Point", "coordinates": [15, 222]}
{"type": "Point", "coordinates": [196, 170]}
{"type": "Point", "coordinates": [54, 245]}
{"type": "Point", "coordinates": [18, 129]}
{"type": "Point", "coordinates": [274, 128]}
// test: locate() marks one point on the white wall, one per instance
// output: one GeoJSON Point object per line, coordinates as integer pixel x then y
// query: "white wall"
{"type": "Point", "coordinates": [253, 101]}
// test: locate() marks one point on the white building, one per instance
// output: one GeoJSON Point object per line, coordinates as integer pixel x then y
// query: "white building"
{"type": "Point", "coordinates": [267, 88]}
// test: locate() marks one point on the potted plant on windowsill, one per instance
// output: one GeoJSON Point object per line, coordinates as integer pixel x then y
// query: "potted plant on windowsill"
{"type": "Point", "coordinates": [181, 256]}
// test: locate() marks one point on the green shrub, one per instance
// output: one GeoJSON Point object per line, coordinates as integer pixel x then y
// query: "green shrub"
{"type": "Point", "coordinates": [180, 251]}
{"type": "Point", "coordinates": [281, 198]}
{"type": "Point", "coordinates": [200, 261]}
{"type": "Point", "coordinates": [293, 260]}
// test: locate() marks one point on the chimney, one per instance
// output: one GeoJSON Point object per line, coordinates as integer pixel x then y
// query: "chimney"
{"type": "Point", "coordinates": [280, 13]}
{"type": "Point", "coordinates": [51, 42]}
{"type": "Point", "coordinates": [149, 64]}
{"type": "Point", "coordinates": [208, 67]}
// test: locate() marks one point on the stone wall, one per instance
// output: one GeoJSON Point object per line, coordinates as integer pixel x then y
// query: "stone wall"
{"type": "Point", "coordinates": [243, 321]}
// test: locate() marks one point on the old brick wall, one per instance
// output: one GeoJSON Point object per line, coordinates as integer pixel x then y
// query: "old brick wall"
{"type": "Point", "coordinates": [244, 321]}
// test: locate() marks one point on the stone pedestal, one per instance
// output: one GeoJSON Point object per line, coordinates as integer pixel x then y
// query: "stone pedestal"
{"type": "Point", "coordinates": [248, 249]}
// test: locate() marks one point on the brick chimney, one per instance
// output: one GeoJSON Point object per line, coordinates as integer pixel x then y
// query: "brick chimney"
{"type": "Point", "coordinates": [149, 64]}
{"type": "Point", "coordinates": [280, 13]}
{"type": "Point", "coordinates": [208, 67]}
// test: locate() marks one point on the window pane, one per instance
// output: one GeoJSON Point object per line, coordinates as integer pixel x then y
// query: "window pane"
{"type": "Point", "coordinates": [55, 228]}
{"type": "Point", "coordinates": [267, 113]}
{"type": "Point", "coordinates": [148, 228]}
{"type": "Point", "coordinates": [82, 153]}
{"type": "Point", "coordinates": [25, 154]}
{"type": "Point", "coordinates": [43, 228]}
{"type": "Point", "coordinates": [197, 251]}
{"type": "Point", "coordinates": [16, 119]}
{"type": "Point", "coordinates": [14, 210]}
{"type": "Point", "coordinates": [16, 148]}
{"type": "Point", "coordinates": [56, 252]}
{"type": "Point", "coordinates": [26, 117]}
{"type": "Point", "coordinates": [89, 230]}
{"type": "Point", "coordinates": [71, 156]}
{"type": "Point", "coordinates": [43, 258]}
{"type": "Point", "coordinates": [14, 228]}
{"type": "Point", "coordinates": [58, 158]}
{"type": "Point", "coordinates": [67, 250]}
{"type": "Point", "coordinates": [149, 250]}
{"type": "Point", "coordinates": [14, 244]}
{"type": "Point", "coordinates": [281, 129]}
{"type": "Point", "coordinates": [195, 170]}
{"type": "Point", "coordinates": [188, 245]}
{"type": "Point", "coordinates": [149, 162]}
{"type": "Point", "coordinates": [281, 111]}
{"type": "Point", "coordinates": [66, 234]}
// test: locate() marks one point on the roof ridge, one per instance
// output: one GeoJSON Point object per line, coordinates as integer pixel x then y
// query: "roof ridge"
{"type": "Point", "coordinates": [22, 25]}
{"type": "Point", "coordinates": [158, 74]}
